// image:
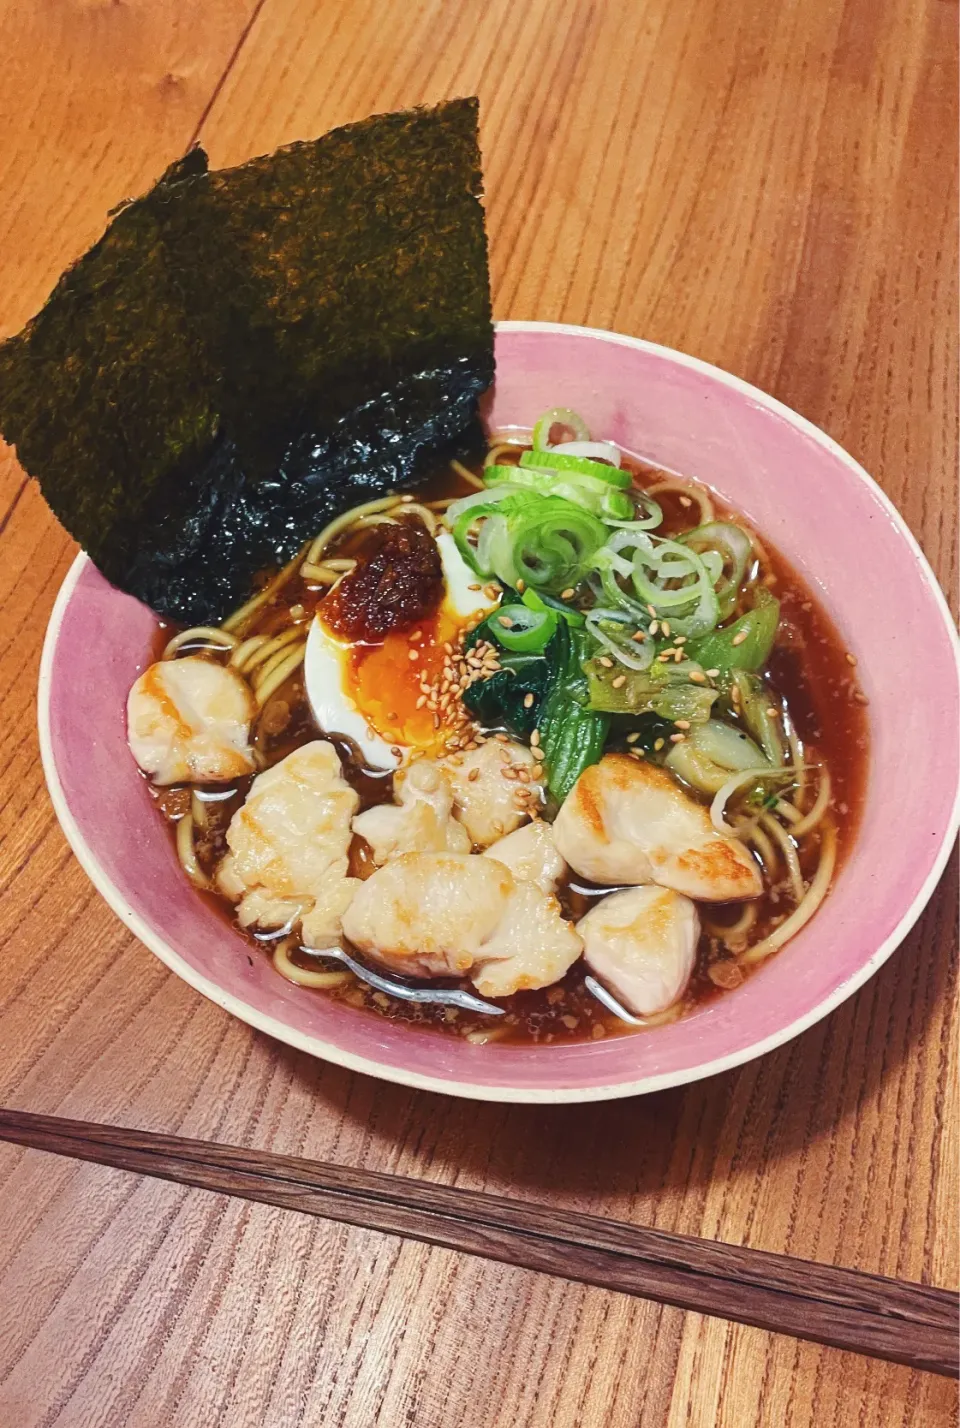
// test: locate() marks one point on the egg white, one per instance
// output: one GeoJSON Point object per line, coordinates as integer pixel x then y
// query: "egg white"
{"type": "Point", "coordinates": [458, 578]}
{"type": "Point", "coordinates": [325, 663]}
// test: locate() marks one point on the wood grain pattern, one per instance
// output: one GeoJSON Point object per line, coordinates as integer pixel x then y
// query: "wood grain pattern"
{"type": "Point", "coordinates": [888, 1319]}
{"type": "Point", "coordinates": [96, 99]}
{"type": "Point", "coordinates": [770, 187]}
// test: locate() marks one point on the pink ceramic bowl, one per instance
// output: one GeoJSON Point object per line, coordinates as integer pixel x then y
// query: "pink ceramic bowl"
{"type": "Point", "coordinates": [829, 519]}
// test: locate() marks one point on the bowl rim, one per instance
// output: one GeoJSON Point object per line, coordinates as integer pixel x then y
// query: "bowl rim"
{"type": "Point", "coordinates": [325, 1051]}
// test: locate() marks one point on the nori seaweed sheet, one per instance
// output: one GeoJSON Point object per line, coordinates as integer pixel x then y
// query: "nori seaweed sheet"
{"type": "Point", "coordinates": [247, 353]}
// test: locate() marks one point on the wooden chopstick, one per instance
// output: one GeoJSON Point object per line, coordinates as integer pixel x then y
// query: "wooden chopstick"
{"type": "Point", "coordinates": [892, 1319]}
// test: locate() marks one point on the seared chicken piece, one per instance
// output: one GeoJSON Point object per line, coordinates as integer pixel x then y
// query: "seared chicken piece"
{"type": "Point", "coordinates": [420, 821]}
{"type": "Point", "coordinates": [486, 783]}
{"type": "Point", "coordinates": [531, 855]}
{"type": "Point", "coordinates": [532, 946]}
{"type": "Point", "coordinates": [289, 842]}
{"type": "Point", "coordinates": [443, 914]}
{"type": "Point", "coordinates": [642, 944]}
{"type": "Point", "coordinates": [322, 925]}
{"type": "Point", "coordinates": [427, 914]}
{"type": "Point", "coordinates": [260, 908]}
{"type": "Point", "coordinates": [188, 721]}
{"type": "Point", "coordinates": [626, 821]}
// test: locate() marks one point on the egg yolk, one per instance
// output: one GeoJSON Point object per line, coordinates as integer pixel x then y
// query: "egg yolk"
{"type": "Point", "coordinates": [385, 680]}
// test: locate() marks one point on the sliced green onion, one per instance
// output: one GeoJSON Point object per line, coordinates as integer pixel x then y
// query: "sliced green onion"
{"type": "Point", "coordinates": [496, 475]}
{"type": "Point", "coordinates": [545, 541]}
{"type": "Point", "coordinates": [553, 542]}
{"type": "Point", "coordinates": [462, 515]}
{"type": "Point", "coordinates": [560, 461]}
{"type": "Point", "coordinates": [563, 417]}
{"type": "Point", "coordinates": [605, 575]}
{"type": "Point", "coordinates": [494, 547]}
{"type": "Point", "coordinates": [463, 521]}
{"type": "Point", "coordinates": [713, 560]}
{"type": "Point", "coordinates": [550, 602]}
{"type": "Point", "coordinates": [662, 574]}
{"type": "Point", "coordinates": [649, 522]}
{"type": "Point", "coordinates": [599, 497]}
{"type": "Point", "coordinates": [730, 546]}
{"type": "Point", "coordinates": [527, 632]}
{"type": "Point", "coordinates": [592, 450]}
{"type": "Point", "coordinates": [476, 498]}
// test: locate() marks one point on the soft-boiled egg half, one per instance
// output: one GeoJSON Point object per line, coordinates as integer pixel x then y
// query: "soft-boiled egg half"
{"type": "Point", "coordinates": [372, 692]}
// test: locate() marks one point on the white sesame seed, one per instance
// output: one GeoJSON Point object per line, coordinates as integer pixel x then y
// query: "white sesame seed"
{"type": "Point", "coordinates": [607, 663]}
{"type": "Point", "coordinates": [412, 654]}
{"type": "Point", "coordinates": [712, 673]}
{"type": "Point", "coordinates": [528, 701]}
{"type": "Point", "coordinates": [677, 738]}
{"type": "Point", "coordinates": [682, 723]}
{"type": "Point", "coordinates": [620, 681]}
{"type": "Point", "coordinates": [851, 659]}
{"type": "Point", "coordinates": [567, 594]}
{"type": "Point", "coordinates": [739, 638]}
{"type": "Point", "coordinates": [654, 627]}
{"type": "Point", "coordinates": [659, 744]}
{"type": "Point", "coordinates": [698, 677]}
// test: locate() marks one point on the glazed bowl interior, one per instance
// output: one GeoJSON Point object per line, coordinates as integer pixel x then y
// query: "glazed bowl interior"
{"type": "Point", "coordinates": [835, 527]}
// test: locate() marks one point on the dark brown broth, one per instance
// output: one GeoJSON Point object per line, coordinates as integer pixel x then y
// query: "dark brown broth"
{"type": "Point", "coordinates": [809, 667]}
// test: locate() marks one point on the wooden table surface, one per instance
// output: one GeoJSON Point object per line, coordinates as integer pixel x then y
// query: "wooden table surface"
{"type": "Point", "coordinates": [769, 186]}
